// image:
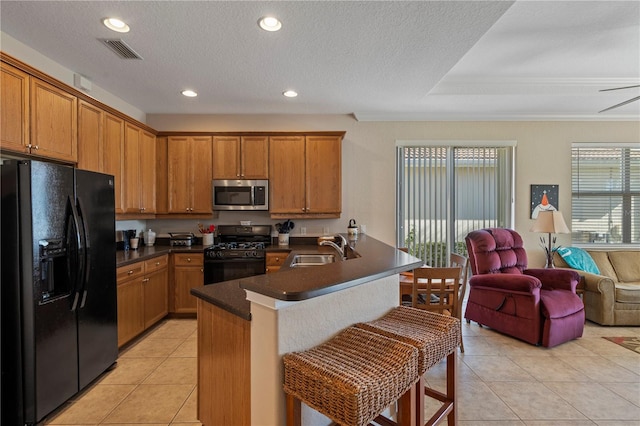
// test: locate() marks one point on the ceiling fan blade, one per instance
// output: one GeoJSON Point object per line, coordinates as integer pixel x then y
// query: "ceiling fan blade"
{"type": "Point", "coordinates": [620, 104]}
{"type": "Point", "coordinates": [619, 88]}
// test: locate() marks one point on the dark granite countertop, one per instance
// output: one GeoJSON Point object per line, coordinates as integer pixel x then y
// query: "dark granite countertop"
{"type": "Point", "coordinates": [376, 260]}
{"type": "Point", "coordinates": [148, 252]}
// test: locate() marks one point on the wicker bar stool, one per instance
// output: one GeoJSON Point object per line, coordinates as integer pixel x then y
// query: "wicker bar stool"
{"type": "Point", "coordinates": [436, 337]}
{"type": "Point", "coordinates": [352, 378]}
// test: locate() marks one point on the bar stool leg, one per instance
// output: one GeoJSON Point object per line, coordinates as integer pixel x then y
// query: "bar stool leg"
{"type": "Point", "coordinates": [294, 411]}
{"type": "Point", "coordinates": [452, 419]}
{"type": "Point", "coordinates": [407, 407]}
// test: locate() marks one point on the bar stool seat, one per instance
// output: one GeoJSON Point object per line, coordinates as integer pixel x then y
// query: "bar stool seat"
{"type": "Point", "coordinates": [436, 337]}
{"type": "Point", "coordinates": [351, 378]}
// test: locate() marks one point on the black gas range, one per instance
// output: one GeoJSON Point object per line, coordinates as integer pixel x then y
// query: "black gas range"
{"type": "Point", "coordinates": [238, 253]}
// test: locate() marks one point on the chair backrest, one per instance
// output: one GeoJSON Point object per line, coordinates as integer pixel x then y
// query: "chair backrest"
{"type": "Point", "coordinates": [459, 261]}
{"type": "Point", "coordinates": [496, 251]}
{"type": "Point", "coordinates": [436, 289]}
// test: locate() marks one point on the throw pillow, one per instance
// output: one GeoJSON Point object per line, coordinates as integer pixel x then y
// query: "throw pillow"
{"type": "Point", "coordinates": [578, 259]}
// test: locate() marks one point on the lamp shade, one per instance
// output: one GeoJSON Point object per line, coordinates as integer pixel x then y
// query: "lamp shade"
{"type": "Point", "coordinates": [550, 222]}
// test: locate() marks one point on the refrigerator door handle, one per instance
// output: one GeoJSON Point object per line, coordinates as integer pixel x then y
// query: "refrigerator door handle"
{"type": "Point", "coordinates": [86, 253]}
{"type": "Point", "coordinates": [79, 254]}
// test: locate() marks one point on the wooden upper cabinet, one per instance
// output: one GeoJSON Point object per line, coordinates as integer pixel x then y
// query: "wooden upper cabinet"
{"type": "Point", "coordinates": [53, 119]}
{"type": "Point", "coordinates": [14, 109]}
{"type": "Point", "coordinates": [148, 172]}
{"type": "Point", "coordinates": [305, 178]}
{"type": "Point", "coordinates": [139, 170]}
{"type": "Point", "coordinates": [240, 157]}
{"type": "Point", "coordinates": [189, 174]}
{"type": "Point", "coordinates": [323, 168]}
{"type": "Point", "coordinates": [286, 179]}
{"type": "Point", "coordinates": [112, 155]}
{"type": "Point", "coordinates": [90, 136]}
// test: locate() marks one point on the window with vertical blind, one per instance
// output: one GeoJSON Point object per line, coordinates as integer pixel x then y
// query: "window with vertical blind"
{"type": "Point", "coordinates": [605, 193]}
{"type": "Point", "coordinates": [445, 191]}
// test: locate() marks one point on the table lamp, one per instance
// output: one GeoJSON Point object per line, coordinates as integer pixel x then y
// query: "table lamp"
{"type": "Point", "coordinates": [550, 222]}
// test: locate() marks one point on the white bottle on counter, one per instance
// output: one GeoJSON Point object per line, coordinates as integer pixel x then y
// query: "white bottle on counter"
{"type": "Point", "coordinates": [150, 238]}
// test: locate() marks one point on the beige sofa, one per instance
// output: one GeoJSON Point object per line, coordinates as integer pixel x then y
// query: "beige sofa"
{"type": "Point", "coordinates": [613, 297]}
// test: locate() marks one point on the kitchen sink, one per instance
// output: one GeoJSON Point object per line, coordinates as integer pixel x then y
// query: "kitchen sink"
{"type": "Point", "coordinates": [312, 260]}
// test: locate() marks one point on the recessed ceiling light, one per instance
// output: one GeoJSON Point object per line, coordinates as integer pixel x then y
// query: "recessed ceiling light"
{"type": "Point", "coordinates": [116, 24]}
{"type": "Point", "coordinates": [269, 23]}
{"type": "Point", "coordinates": [290, 93]}
{"type": "Point", "coordinates": [189, 93]}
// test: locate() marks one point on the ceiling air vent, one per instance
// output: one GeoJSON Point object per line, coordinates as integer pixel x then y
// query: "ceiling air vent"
{"type": "Point", "coordinates": [120, 48]}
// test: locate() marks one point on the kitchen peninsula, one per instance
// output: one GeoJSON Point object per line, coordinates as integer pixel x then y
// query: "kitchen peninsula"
{"type": "Point", "coordinates": [245, 326]}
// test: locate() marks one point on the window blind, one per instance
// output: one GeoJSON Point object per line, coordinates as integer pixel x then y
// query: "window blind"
{"type": "Point", "coordinates": [444, 192]}
{"type": "Point", "coordinates": [605, 182]}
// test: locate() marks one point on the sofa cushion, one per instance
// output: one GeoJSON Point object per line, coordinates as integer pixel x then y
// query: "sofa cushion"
{"type": "Point", "coordinates": [601, 257]}
{"type": "Point", "coordinates": [626, 264]}
{"type": "Point", "coordinates": [628, 292]}
{"type": "Point", "coordinates": [578, 259]}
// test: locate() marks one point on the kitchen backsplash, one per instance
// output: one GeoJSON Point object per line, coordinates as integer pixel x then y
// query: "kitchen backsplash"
{"type": "Point", "coordinates": [162, 227]}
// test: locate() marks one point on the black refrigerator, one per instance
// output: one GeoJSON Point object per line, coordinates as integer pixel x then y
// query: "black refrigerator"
{"type": "Point", "coordinates": [58, 288]}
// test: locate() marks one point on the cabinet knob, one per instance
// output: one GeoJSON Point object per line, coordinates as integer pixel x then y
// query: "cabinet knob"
{"type": "Point", "coordinates": [188, 259]}
{"type": "Point", "coordinates": [37, 147]}
{"type": "Point", "coordinates": [130, 272]}
{"type": "Point", "coordinates": [29, 146]}
{"type": "Point", "coordinates": [146, 280]}
{"type": "Point", "coordinates": [201, 269]}
{"type": "Point", "coordinates": [157, 263]}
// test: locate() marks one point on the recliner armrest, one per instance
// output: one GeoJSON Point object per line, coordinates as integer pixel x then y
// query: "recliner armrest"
{"type": "Point", "coordinates": [507, 282]}
{"type": "Point", "coordinates": [560, 279]}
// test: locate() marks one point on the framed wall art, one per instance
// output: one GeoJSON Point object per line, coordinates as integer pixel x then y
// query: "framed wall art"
{"type": "Point", "coordinates": [543, 198]}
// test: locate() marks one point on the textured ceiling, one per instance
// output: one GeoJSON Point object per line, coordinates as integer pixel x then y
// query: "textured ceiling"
{"type": "Point", "coordinates": [378, 60]}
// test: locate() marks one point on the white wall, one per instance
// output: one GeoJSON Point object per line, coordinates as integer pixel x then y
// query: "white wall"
{"type": "Point", "coordinates": [543, 156]}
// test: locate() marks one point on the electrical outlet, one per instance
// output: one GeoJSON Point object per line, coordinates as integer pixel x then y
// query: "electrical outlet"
{"type": "Point", "coordinates": [363, 229]}
{"type": "Point", "coordinates": [303, 231]}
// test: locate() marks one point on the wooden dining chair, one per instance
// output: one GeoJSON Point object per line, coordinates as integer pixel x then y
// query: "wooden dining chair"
{"type": "Point", "coordinates": [436, 290]}
{"type": "Point", "coordinates": [456, 260]}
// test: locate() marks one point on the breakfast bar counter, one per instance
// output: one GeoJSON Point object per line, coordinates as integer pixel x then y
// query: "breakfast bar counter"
{"type": "Point", "coordinates": [245, 326]}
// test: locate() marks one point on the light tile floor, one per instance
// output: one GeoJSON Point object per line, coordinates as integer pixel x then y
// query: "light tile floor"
{"type": "Point", "coordinates": [501, 381]}
{"type": "Point", "coordinates": [153, 384]}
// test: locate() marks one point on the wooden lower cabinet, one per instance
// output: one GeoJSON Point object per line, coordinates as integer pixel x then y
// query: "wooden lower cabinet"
{"type": "Point", "coordinates": [275, 259]}
{"type": "Point", "coordinates": [224, 367]}
{"type": "Point", "coordinates": [188, 272]}
{"type": "Point", "coordinates": [142, 296]}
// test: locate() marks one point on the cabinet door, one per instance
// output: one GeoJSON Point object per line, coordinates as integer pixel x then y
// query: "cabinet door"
{"type": "Point", "coordinates": [90, 137]}
{"type": "Point", "coordinates": [130, 309]}
{"type": "Point", "coordinates": [323, 174]}
{"type": "Point", "coordinates": [200, 168]}
{"type": "Point", "coordinates": [156, 296]}
{"type": "Point", "coordinates": [131, 169]}
{"type": "Point", "coordinates": [14, 109]}
{"type": "Point", "coordinates": [147, 162]}
{"type": "Point", "coordinates": [188, 273]}
{"type": "Point", "coordinates": [179, 173]}
{"type": "Point", "coordinates": [254, 159]}
{"type": "Point", "coordinates": [226, 157]}
{"type": "Point", "coordinates": [287, 174]}
{"type": "Point", "coordinates": [53, 122]}
{"type": "Point", "coordinates": [112, 155]}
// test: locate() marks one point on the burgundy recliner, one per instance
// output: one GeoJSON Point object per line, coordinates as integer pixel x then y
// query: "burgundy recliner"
{"type": "Point", "coordinates": [539, 306]}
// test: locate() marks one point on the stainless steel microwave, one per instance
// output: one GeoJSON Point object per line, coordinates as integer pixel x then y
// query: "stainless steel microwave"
{"type": "Point", "coordinates": [240, 194]}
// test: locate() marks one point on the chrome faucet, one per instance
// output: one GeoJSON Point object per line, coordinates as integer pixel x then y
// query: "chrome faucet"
{"type": "Point", "coordinates": [326, 242]}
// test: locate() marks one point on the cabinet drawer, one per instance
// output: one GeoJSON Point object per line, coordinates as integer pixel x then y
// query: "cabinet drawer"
{"type": "Point", "coordinates": [188, 259]}
{"type": "Point", "coordinates": [276, 258]}
{"type": "Point", "coordinates": [156, 263]}
{"type": "Point", "coordinates": [130, 271]}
